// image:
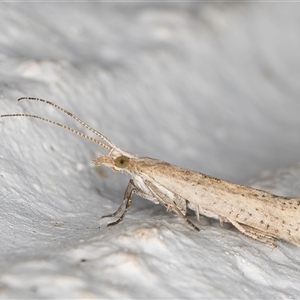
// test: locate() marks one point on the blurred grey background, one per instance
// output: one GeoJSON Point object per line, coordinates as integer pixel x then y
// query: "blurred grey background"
{"type": "Point", "coordinates": [213, 87]}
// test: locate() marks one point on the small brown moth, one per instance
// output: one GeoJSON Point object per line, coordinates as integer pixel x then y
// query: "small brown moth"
{"type": "Point", "coordinates": [257, 214]}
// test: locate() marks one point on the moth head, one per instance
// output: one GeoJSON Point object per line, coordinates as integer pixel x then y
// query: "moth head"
{"type": "Point", "coordinates": [116, 159]}
{"type": "Point", "coordinates": [117, 162]}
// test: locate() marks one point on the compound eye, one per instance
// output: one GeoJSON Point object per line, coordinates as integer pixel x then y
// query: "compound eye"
{"type": "Point", "coordinates": [122, 161]}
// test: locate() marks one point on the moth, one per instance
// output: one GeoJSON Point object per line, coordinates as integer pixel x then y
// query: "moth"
{"type": "Point", "coordinates": [256, 213]}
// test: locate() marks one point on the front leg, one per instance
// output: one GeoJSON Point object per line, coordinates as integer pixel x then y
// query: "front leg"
{"type": "Point", "coordinates": [127, 201]}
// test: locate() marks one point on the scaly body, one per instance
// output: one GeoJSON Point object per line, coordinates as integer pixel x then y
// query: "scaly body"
{"type": "Point", "coordinates": [256, 213]}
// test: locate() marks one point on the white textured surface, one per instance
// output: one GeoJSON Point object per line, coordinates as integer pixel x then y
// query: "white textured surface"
{"type": "Point", "coordinates": [212, 87]}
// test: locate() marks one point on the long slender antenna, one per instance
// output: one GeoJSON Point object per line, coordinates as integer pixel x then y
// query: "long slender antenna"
{"type": "Point", "coordinates": [72, 116]}
{"type": "Point", "coordinates": [108, 147]}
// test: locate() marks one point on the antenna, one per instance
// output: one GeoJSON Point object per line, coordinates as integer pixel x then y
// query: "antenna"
{"type": "Point", "coordinates": [110, 145]}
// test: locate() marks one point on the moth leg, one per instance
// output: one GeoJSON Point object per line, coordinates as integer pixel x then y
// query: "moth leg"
{"type": "Point", "coordinates": [169, 207]}
{"type": "Point", "coordinates": [117, 211]}
{"type": "Point", "coordinates": [170, 204]}
{"type": "Point", "coordinates": [197, 213]}
{"type": "Point", "coordinates": [127, 201]}
{"type": "Point", "coordinates": [222, 220]}
{"type": "Point", "coordinates": [195, 208]}
{"type": "Point", "coordinates": [175, 209]}
{"type": "Point", "coordinates": [254, 233]}
{"type": "Point", "coordinates": [128, 204]}
{"type": "Point", "coordinates": [262, 236]}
